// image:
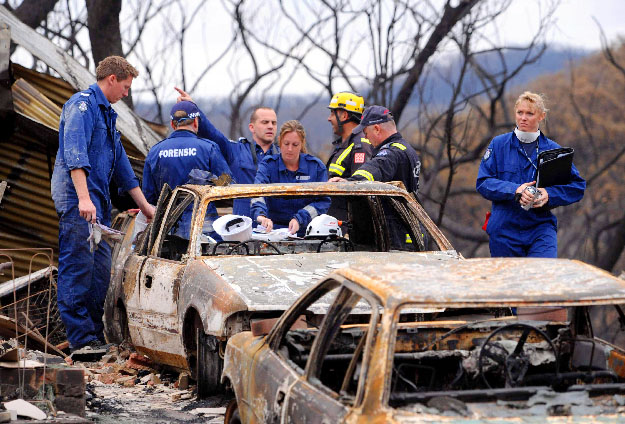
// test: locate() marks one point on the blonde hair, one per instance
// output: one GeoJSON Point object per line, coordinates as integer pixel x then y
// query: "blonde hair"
{"type": "Point", "coordinates": [115, 65]}
{"type": "Point", "coordinates": [293, 126]}
{"type": "Point", "coordinates": [535, 99]}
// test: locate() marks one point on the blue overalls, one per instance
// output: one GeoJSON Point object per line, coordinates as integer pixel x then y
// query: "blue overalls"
{"type": "Point", "coordinates": [242, 156]}
{"type": "Point", "coordinates": [88, 140]}
{"type": "Point", "coordinates": [172, 160]}
{"type": "Point", "coordinates": [281, 210]}
{"type": "Point", "coordinates": [512, 230]}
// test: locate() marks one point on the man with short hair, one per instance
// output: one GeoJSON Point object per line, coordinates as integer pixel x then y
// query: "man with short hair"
{"type": "Point", "coordinates": [90, 155]}
{"type": "Point", "coordinates": [243, 155]}
{"type": "Point", "coordinates": [393, 158]}
{"type": "Point", "coordinates": [351, 150]}
{"type": "Point", "coordinates": [172, 159]}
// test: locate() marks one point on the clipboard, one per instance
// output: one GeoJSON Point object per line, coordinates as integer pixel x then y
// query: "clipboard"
{"type": "Point", "coordinates": [554, 167]}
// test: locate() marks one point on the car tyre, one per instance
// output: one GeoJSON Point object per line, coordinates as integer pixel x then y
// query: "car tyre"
{"type": "Point", "coordinates": [209, 365]}
{"type": "Point", "coordinates": [232, 413]}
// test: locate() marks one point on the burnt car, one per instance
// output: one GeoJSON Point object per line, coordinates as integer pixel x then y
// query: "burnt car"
{"type": "Point", "coordinates": [504, 340]}
{"type": "Point", "coordinates": [178, 294]}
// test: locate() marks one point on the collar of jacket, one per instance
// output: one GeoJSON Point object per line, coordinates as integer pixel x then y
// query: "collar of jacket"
{"type": "Point", "coordinates": [182, 133]}
{"type": "Point", "coordinates": [99, 95]}
{"type": "Point", "coordinates": [353, 138]}
{"type": "Point", "coordinates": [392, 139]}
{"type": "Point", "coordinates": [274, 150]}
{"type": "Point", "coordinates": [282, 165]}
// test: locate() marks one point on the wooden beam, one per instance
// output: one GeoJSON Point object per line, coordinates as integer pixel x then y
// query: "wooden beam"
{"type": "Point", "coordinates": [128, 123]}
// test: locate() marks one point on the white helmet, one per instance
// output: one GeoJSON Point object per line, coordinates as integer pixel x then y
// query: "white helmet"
{"type": "Point", "coordinates": [324, 226]}
{"type": "Point", "coordinates": [233, 227]}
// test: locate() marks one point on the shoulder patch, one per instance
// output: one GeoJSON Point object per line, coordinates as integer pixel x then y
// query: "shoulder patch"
{"type": "Point", "coordinates": [82, 93]}
{"type": "Point", "coordinates": [487, 154]}
{"type": "Point", "coordinates": [359, 157]}
{"type": "Point", "coordinates": [82, 106]}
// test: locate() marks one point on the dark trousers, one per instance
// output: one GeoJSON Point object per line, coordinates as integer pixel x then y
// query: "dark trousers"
{"type": "Point", "coordinates": [83, 280]}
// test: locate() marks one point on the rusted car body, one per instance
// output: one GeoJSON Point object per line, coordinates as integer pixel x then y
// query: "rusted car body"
{"type": "Point", "coordinates": [179, 298]}
{"type": "Point", "coordinates": [473, 360]}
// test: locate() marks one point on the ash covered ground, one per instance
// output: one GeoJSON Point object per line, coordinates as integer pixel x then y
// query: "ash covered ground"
{"type": "Point", "coordinates": [125, 387]}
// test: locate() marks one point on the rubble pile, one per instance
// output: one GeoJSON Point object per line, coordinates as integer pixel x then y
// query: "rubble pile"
{"type": "Point", "coordinates": [128, 386]}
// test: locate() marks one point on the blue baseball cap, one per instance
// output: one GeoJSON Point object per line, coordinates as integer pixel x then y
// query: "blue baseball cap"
{"type": "Point", "coordinates": [373, 115]}
{"type": "Point", "coordinates": [190, 109]}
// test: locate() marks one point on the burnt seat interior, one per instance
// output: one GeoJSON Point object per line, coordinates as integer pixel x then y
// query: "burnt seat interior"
{"type": "Point", "coordinates": [440, 359]}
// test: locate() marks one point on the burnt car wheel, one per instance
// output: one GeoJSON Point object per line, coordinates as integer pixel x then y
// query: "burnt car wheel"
{"type": "Point", "coordinates": [203, 356]}
{"type": "Point", "coordinates": [209, 365]}
{"type": "Point", "coordinates": [512, 366]}
{"type": "Point", "coordinates": [232, 413]}
{"type": "Point", "coordinates": [117, 331]}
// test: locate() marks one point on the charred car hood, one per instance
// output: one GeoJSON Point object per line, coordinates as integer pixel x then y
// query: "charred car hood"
{"type": "Point", "coordinates": [274, 282]}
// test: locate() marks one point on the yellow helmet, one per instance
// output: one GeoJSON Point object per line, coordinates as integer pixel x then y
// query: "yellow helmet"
{"type": "Point", "coordinates": [349, 101]}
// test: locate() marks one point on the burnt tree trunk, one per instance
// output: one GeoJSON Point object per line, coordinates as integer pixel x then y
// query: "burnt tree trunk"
{"type": "Point", "coordinates": [32, 12]}
{"type": "Point", "coordinates": [451, 16]}
{"type": "Point", "coordinates": [104, 32]}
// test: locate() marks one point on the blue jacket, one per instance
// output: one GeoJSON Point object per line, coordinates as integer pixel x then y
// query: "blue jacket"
{"type": "Point", "coordinates": [503, 169]}
{"type": "Point", "coordinates": [172, 159]}
{"type": "Point", "coordinates": [281, 210]}
{"type": "Point", "coordinates": [239, 155]}
{"type": "Point", "coordinates": [89, 140]}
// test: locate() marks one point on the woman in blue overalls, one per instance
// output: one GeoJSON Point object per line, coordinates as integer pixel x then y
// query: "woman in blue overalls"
{"type": "Point", "coordinates": [508, 167]}
{"type": "Point", "coordinates": [292, 165]}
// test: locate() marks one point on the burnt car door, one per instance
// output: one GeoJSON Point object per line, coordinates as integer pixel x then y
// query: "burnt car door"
{"type": "Point", "coordinates": [336, 368]}
{"type": "Point", "coordinates": [277, 368]}
{"type": "Point", "coordinates": [160, 277]}
{"type": "Point", "coordinates": [133, 267]}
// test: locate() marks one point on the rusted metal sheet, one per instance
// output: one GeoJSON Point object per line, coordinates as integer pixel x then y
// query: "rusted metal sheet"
{"type": "Point", "coordinates": [275, 282]}
{"type": "Point", "coordinates": [492, 282]}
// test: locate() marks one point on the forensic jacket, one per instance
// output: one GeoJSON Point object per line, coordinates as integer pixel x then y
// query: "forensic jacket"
{"type": "Point", "coordinates": [393, 160]}
{"type": "Point", "coordinates": [172, 159]}
{"type": "Point", "coordinates": [348, 155]}
{"type": "Point", "coordinates": [281, 210]}
{"type": "Point", "coordinates": [504, 167]}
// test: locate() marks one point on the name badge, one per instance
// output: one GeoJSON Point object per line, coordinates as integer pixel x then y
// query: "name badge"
{"type": "Point", "coordinates": [302, 177]}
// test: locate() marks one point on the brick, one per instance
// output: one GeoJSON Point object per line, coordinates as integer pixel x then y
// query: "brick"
{"type": "Point", "coordinates": [108, 378]}
{"type": "Point", "coordinates": [107, 359]}
{"type": "Point", "coordinates": [71, 405]}
{"type": "Point", "coordinates": [74, 376]}
{"type": "Point", "coordinates": [154, 380]}
{"type": "Point", "coordinates": [126, 381]}
{"type": "Point", "coordinates": [139, 362]}
{"type": "Point", "coordinates": [183, 381]}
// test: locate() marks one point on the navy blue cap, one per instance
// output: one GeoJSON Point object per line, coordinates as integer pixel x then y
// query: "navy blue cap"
{"type": "Point", "coordinates": [191, 111]}
{"type": "Point", "coordinates": [373, 115]}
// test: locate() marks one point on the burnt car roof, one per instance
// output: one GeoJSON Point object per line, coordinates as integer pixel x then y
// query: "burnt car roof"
{"type": "Point", "coordinates": [348, 187]}
{"type": "Point", "coordinates": [490, 282]}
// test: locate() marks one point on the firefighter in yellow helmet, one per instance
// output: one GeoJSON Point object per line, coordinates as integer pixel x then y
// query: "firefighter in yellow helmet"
{"type": "Point", "coordinates": [350, 151]}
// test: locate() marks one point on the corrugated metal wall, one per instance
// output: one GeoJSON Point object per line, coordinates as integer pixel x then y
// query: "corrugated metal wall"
{"type": "Point", "coordinates": [27, 152]}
